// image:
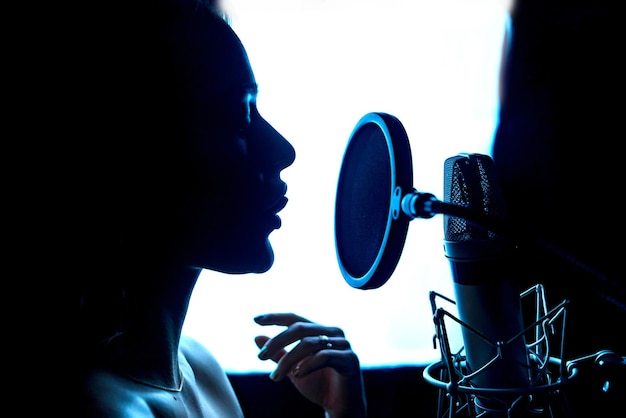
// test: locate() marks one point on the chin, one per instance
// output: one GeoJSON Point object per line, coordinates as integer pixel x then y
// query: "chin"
{"type": "Point", "coordinates": [243, 260]}
{"type": "Point", "coordinates": [261, 261]}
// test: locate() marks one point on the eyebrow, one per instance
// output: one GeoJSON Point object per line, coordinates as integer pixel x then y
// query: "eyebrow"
{"type": "Point", "coordinates": [251, 88]}
{"type": "Point", "coordinates": [240, 90]}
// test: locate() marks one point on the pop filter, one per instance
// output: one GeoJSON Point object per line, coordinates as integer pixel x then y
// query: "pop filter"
{"type": "Point", "coordinates": [370, 226]}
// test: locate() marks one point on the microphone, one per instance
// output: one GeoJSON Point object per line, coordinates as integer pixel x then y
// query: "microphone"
{"type": "Point", "coordinates": [487, 296]}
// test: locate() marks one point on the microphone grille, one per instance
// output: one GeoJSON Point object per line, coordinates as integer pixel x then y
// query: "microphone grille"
{"type": "Point", "coordinates": [470, 181]}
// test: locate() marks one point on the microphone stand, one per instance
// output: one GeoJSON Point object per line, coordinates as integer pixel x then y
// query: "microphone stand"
{"type": "Point", "coordinates": [548, 373]}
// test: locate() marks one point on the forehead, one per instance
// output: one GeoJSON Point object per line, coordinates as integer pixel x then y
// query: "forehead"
{"type": "Point", "coordinates": [212, 58]}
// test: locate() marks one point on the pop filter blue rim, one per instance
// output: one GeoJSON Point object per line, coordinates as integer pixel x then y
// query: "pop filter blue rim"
{"type": "Point", "coordinates": [381, 255]}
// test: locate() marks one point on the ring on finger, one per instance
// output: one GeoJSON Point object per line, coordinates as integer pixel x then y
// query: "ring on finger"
{"type": "Point", "coordinates": [325, 341]}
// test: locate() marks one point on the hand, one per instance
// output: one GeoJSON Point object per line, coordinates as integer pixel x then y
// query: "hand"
{"type": "Point", "coordinates": [322, 365]}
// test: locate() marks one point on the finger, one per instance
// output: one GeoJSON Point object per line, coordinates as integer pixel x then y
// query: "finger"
{"type": "Point", "coordinates": [261, 342]}
{"type": "Point", "coordinates": [299, 330]}
{"type": "Point", "coordinates": [345, 362]}
{"type": "Point", "coordinates": [296, 332]}
{"type": "Point", "coordinates": [285, 319]}
{"type": "Point", "coordinates": [307, 349]}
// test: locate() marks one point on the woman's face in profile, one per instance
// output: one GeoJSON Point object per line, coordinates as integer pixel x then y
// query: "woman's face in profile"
{"type": "Point", "coordinates": [236, 157]}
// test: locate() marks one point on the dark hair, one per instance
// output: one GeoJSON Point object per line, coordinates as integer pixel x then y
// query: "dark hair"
{"type": "Point", "coordinates": [135, 153]}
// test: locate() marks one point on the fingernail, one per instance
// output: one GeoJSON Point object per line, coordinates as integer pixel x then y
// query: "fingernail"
{"type": "Point", "coordinates": [262, 352]}
{"type": "Point", "coordinates": [273, 375]}
{"type": "Point", "coordinates": [259, 317]}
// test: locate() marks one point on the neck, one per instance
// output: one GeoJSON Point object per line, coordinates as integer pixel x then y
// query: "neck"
{"type": "Point", "coordinates": [147, 350]}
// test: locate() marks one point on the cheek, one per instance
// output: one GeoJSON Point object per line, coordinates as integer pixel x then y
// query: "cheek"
{"type": "Point", "coordinates": [225, 172]}
{"type": "Point", "coordinates": [216, 216]}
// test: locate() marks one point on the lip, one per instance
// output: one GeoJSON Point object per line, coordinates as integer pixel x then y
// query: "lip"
{"type": "Point", "coordinates": [279, 204]}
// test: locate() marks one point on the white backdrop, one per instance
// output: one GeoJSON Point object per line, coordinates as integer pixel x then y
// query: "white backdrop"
{"type": "Point", "coordinates": [321, 65]}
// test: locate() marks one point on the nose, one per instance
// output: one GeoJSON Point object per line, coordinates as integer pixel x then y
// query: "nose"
{"type": "Point", "coordinates": [276, 151]}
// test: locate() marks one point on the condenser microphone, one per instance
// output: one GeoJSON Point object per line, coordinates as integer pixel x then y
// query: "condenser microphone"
{"type": "Point", "coordinates": [486, 292]}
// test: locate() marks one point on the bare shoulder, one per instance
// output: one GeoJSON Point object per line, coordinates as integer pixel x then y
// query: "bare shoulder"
{"type": "Point", "coordinates": [198, 356]}
{"type": "Point", "coordinates": [210, 378]}
{"type": "Point", "coordinates": [119, 401]}
{"type": "Point", "coordinates": [206, 391]}
{"type": "Point", "coordinates": [107, 394]}
{"type": "Point", "coordinates": [206, 369]}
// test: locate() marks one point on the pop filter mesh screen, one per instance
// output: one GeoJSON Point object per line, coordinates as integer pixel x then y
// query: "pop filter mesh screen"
{"type": "Point", "coordinates": [363, 200]}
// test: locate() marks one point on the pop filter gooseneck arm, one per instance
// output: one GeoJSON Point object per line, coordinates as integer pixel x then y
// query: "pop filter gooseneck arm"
{"type": "Point", "coordinates": [425, 205]}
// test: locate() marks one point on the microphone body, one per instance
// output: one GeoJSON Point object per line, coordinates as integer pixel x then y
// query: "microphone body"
{"type": "Point", "coordinates": [486, 292]}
